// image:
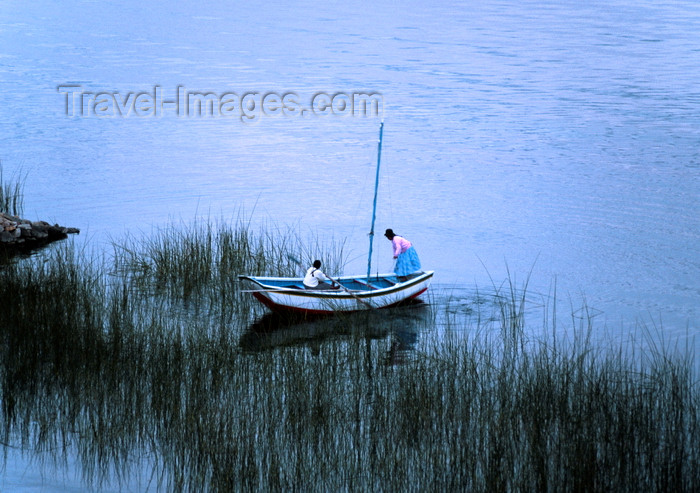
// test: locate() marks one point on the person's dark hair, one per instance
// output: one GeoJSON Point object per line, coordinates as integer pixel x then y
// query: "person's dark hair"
{"type": "Point", "coordinates": [389, 233]}
{"type": "Point", "coordinates": [317, 264]}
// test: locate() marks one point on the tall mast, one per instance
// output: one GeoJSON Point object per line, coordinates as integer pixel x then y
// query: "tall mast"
{"type": "Point", "coordinates": [374, 205]}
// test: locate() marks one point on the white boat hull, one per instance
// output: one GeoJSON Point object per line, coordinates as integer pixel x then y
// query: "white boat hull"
{"type": "Point", "coordinates": [285, 295]}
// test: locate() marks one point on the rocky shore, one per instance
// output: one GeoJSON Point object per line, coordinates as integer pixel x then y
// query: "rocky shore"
{"type": "Point", "coordinates": [22, 233]}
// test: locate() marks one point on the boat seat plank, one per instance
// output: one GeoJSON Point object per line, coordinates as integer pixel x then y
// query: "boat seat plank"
{"type": "Point", "coordinates": [381, 283]}
{"type": "Point", "coordinates": [354, 285]}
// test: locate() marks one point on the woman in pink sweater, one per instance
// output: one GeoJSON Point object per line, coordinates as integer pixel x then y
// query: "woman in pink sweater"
{"type": "Point", "coordinates": [407, 261]}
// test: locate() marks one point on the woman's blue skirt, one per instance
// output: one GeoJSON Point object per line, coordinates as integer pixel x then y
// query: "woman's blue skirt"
{"type": "Point", "coordinates": [407, 263]}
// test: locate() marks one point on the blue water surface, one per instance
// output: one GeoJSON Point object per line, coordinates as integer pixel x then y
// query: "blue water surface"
{"type": "Point", "coordinates": [551, 139]}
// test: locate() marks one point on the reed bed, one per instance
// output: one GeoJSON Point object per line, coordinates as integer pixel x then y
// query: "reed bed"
{"type": "Point", "coordinates": [11, 195]}
{"type": "Point", "coordinates": [200, 261]}
{"type": "Point", "coordinates": [143, 368]}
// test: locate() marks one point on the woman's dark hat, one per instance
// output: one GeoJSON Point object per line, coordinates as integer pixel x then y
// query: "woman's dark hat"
{"type": "Point", "coordinates": [389, 232]}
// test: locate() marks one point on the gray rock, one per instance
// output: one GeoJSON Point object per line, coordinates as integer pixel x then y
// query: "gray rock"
{"type": "Point", "coordinates": [40, 226]}
{"type": "Point", "coordinates": [21, 233]}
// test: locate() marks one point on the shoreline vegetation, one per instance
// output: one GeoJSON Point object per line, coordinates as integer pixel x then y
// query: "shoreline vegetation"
{"type": "Point", "coordinates": [11, 195]}
{"type": "Point", "coordinates": [21, 235]}
{"type": "Point", "coordinates": [152, 359]}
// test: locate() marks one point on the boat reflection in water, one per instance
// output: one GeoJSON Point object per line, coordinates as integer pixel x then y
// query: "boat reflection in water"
{"type": "Point", "coordinates": [402, 324]}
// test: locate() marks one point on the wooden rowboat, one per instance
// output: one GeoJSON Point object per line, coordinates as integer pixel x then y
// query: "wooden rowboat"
{"type": "Point", "coordinates": [287, 294]}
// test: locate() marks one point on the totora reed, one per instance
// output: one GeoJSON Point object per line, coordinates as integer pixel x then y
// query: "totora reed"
{"type": "Point", "coordinates": [138, 362]}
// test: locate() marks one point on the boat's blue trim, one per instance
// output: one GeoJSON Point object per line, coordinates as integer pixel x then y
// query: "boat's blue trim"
{"type": "Point", "coordinates": [279, 285]}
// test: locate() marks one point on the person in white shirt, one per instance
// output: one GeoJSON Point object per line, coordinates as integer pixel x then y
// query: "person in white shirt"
{"type": "Point", "coordinates": [316, 279]}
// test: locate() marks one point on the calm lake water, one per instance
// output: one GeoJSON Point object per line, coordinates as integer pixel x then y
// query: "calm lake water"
{"type": "Point", "coordinates": [557, 139]}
